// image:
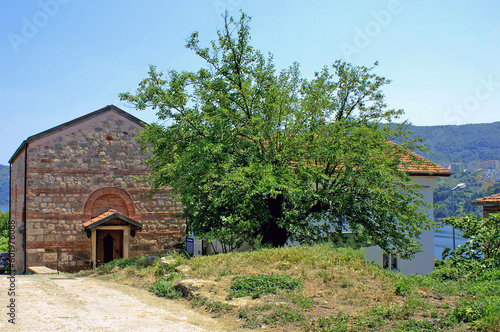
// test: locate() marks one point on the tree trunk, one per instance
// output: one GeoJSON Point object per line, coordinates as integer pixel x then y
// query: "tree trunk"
{"type": "Point", "coordinates": [271, 232]}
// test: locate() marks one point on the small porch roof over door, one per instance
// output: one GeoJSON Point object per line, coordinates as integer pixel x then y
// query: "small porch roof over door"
{"type": "Point", "coordinates": [112, 217]}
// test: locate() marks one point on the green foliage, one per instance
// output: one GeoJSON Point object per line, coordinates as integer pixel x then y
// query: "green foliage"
{"type": "Point", "coordinates": [471, 300]}
{"type": "Point", "coordinates": [145, 261]}
{"type": "Point", "coordinates": [4, 244]}
{"type": "Point", "coordinates": [4, 223]}
{"type": "Point", "coordinates": [4, 231]}
{"type": "Point", "coordinates": [470, 142]}
{"type": "Point", "coordinates": [473, 271]}
{"type": "Point", "coordinates": [405, 285]}
{"type": "Point", "coordinates": [467, 311]}
{"type": "Point", "coordinates": [164, 288]}
{"type": "Point", "coordinates": [138, 263]}
{"type": "Point", "coordinates": [483, 313]}
{"type": "Point", "coordinates": [484, 240]}
{"type": "Point", "coordinates": [263, 157]}
{"type": "Point", "coordinates": [259, 285]}
{"type": "Point", "coordinates": [123, 262]}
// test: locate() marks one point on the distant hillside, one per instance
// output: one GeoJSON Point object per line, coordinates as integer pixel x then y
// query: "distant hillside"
{"type": "Point", "coordinates": [465, 143]}
{"type": "Point", "coordinates": [4, 186]}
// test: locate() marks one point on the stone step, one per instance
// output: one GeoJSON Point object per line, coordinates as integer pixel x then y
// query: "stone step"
{"type": "Point", "coordinates": [41, 270]}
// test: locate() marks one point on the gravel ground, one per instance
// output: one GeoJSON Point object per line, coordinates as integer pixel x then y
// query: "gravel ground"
{"type": "Point", "coordinates": [67, 303]}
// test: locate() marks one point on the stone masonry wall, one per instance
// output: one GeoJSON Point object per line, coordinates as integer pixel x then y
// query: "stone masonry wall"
{"type": "Point", "coordinates": [66, 167]}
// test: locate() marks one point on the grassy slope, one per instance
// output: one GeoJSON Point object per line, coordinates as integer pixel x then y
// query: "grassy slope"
{"type": "Point", "coordinates": [340, 292]}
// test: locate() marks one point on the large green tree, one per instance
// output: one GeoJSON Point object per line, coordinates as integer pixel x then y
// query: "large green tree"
{"type": "Point", "coordinates": [260, 156]}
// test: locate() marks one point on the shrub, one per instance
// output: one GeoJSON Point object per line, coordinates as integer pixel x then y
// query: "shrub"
{"type": "Point", "coordinates": [145, 261]}
{"type": "Point", "coordinates": [405, 285]}
{"type": "Point", "coordinates": [164, 288]}
{"type": "Point", "coordinates": [483, 235]}
{"type": "Point", "coordinates": [123, 262]}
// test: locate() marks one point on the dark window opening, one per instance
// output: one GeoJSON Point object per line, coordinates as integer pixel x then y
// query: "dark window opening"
{"type": "Point", "coordinates": [390, 261]}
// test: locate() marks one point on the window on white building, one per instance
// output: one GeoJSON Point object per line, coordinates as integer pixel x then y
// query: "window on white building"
{"type": "Point", "coordinates": [389, 261]}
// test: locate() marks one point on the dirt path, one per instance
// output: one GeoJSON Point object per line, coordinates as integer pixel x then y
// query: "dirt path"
{"type": "Point", "coordinates": [66, 303]}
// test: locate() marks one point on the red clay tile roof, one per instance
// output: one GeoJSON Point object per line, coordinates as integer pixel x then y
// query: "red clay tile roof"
{"type": "Point", "coordinates": [99, 217]}
{"type": "Point", "coordinates": [108, 215]}
{"type": "Point", "coordinates": [413, 164]}
{"type": "Point", "coordinates": [422, 166]}
{"type": "Point", "coordinates": [488, 200]}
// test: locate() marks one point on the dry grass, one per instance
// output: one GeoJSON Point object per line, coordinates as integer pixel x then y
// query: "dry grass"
{"type": "Point", "coordinates": [340, 291]}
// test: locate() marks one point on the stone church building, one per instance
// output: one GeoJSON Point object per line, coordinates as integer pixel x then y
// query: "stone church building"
{"type": "Point", "coordinates": [79, 198]}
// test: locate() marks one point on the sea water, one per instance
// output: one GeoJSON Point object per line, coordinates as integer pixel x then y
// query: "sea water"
{"type": "Point", "coordinates": [444, 239]}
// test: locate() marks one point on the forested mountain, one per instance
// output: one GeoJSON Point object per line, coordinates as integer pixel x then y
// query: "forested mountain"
{"type": "Point", "coordinates": [460, 144]}
{"type": "Point", "coordinates": [4, 186]}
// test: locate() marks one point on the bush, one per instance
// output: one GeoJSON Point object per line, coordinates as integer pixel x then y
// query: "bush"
{"type": "Point", "coordinates": [4, 244]}
{"type": "Point", "coordinates": [164, 288]}
{"type": "Point", "coordinates": [145, 261]}
{"type": "Point", "coordinates": [123, 262]}
{"type": "Point", "coordinates": [483, 235]}
{"type": "Point", "coordinates": [404, 286]}
{"type": "Point", "coordinates": [4, 231]}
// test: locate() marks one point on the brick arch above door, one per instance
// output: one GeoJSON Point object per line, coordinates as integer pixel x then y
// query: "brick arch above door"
{"type": "Point", "coordinates": [108, 198]}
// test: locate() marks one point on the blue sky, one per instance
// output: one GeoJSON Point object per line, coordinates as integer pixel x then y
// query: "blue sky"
{"type": "Point", "coordinates": [60, 59]}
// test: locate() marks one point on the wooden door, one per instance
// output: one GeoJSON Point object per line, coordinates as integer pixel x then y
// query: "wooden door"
{"type": "Point", "coordinates": [109, 245]}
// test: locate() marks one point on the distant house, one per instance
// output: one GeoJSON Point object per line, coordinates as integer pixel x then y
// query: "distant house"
{"type": "Point", "coordinates": [490, 204]}
{"type": "Point", "coordinates": [425, 174]}
{"type": "Point", "coordinates": [78, 199]}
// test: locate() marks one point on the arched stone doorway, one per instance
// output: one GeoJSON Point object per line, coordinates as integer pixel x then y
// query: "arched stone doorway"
{"type": "Point", "coordinates": [110, 221]}
{"type": "Point", "coordinates": [108, 198]}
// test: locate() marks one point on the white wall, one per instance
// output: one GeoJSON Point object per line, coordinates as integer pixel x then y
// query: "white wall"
{"type": "Point", "coordinates": [423, 262]}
